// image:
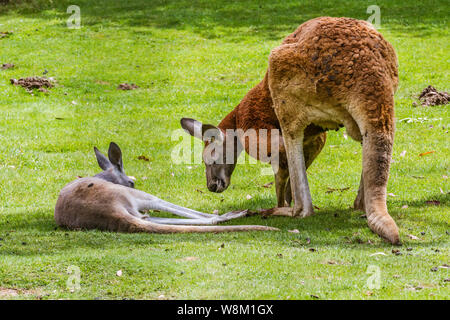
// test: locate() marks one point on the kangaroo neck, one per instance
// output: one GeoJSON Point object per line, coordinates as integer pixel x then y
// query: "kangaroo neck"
{"type": "Point", "coordinates": [255, 110]}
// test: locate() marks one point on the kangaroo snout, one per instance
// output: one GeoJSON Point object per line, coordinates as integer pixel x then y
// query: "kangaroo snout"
{"type": "Point", "coordinates": [217, 185]}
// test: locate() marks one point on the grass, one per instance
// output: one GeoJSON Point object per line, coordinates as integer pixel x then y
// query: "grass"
{"type": "Point", "coordinates": [198, 59]}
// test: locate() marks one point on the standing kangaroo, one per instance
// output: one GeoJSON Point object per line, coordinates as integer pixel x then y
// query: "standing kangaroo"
{"type": "Point", "coordinates": [329, 73]}
{"type": "Point", "coordinates": [108, 201]}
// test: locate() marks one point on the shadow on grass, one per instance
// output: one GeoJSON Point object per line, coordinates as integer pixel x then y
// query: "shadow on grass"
{"type": "Point", "coordinates": [328, 227]}
{"type": "Point", "coordinates": [218, 18]}
{"type": "Point", "coordinates": [439, 200]}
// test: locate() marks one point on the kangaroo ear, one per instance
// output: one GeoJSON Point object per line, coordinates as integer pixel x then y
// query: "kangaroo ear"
{"type": "Point", "coordinates": [192, 126]}
{"type": "Point", "coordinates": [103, 162]}
{"type": "Point", "coordinates": [205, 132]}
{"type": "Point", "coordinates": [211, 133]}
{"type": "Point", "coordinates": [115, 156]}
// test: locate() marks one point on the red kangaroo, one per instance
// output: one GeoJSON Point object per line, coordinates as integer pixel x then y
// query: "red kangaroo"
{"type": "Point", "coordinates": [329, 73]}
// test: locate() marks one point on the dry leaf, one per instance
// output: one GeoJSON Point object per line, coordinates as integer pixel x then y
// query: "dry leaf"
{"type": "Point", "coordinates": [425, 153]}
{"type": "Point", "coordinates": [127, 86]}
{"type": "Point", "coordinates": [413, 237]}
{"type": "Point", "coordinates": [405, 206]}
{"type": "Point", "coordinates": [248, 197]}
{"type": "Point", "coordinates": [268, 185]}
{"type": "Point", "coordinates": [377, 254]}
{"type": "Point", "coordinates": [119, 273]}
{"type": "Point", "coordinates": [6, 66]}
{"type": "Point", "coordinates": [294, 231]}
{"type": "Point", "coordinates": [143, 158]}
{"type": "Point", "coordinates": [403, 153]}
{"type": "Point", "coordinates": [391, 194]}
{"type": "Point", "coordinates": [4, 34]}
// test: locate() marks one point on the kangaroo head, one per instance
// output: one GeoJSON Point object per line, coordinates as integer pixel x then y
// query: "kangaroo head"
{"type": "Point", "coordinates": [113, 166]}
{"type": "Point", "coordinates": [219, 155]}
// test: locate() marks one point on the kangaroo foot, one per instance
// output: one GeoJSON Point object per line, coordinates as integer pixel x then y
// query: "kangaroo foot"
{"type": "Point", "coordinates": [277, 211]}
{"type": "Point", "coordinates": [385, 227]}
{"type": "Point", "coordinates": [303, 212]}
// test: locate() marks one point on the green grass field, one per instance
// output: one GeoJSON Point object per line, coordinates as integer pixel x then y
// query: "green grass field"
{"type": "Point", "coordinates": [198, 59]}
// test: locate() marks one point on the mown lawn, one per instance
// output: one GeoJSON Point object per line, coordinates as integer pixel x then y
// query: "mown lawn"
{"type": "Point", "coordinates": [198, 59]}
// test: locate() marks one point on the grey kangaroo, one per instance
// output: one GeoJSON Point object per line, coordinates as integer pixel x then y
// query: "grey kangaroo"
{"type": "Point", "coordinates": [108, 201]}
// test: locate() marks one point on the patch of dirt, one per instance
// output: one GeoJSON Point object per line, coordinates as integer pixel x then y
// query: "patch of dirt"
{"type": "Point", "coordinates": [31, 83]}
{"type": "Point", "coordinates": [187, 259]}
{"type": "Point", "coordinates": [6, 66]}
{"type": "Point", "coordinates": [431, 97]}
{"type": "Point", "coordinates": [105, 83]}
{"type": "Point", "coordinates": [11, 292]}
{"type": "Point", "coordinates": [127, 86]}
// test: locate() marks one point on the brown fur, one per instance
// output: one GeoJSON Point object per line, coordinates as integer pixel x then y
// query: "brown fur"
{"type": "Point", "coordinates": [332, 72]}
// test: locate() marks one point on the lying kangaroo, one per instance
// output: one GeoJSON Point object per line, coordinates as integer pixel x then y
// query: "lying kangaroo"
{"type": "Point", "coordinates": [332, 72]}
{"type": "Point", "coordinates": [254, 112]}
{"type": "Point", "coordinates": [108, 201]}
